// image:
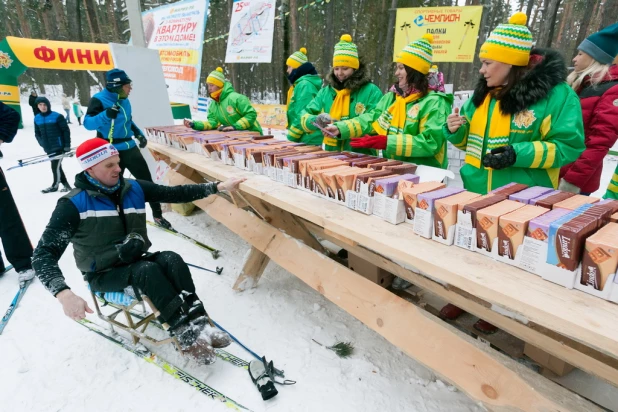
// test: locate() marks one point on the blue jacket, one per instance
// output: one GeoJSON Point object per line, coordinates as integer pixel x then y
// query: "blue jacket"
{"type": "Point", "coordinates": [124, 127]}
{"type": "Point", "coordinates": [51, 129]}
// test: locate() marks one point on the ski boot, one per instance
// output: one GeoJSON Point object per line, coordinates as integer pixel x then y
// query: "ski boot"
{"type": "Point", "coordinates": [162, 222]}
{"type": "Point", "coordinates": [50, 189]}
{"type": "Point", "coordinates": [217, 338]}
{"type": "Point", "coordinates": [262, 375]}
{"type": "Point", "coordinates": [66, 188]}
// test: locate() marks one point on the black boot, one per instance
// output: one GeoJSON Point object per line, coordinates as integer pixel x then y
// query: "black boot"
{"type": "Point", "coordinates": [161, 221]}
{"type": "Point", "coordinates": [50, 189]}
{"type": "Point", "coordinates": [66, 188]}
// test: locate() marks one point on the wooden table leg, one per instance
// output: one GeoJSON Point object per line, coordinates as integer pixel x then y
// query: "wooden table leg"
{"type": "Point", "coordinates": [252, 270]}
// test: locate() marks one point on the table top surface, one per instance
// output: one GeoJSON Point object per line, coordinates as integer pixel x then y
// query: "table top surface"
{"type": "Point", "coordinates": [572, 313]}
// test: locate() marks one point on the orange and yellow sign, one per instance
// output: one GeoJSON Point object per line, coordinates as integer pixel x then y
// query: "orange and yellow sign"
{"type": "Point", "coordinates": [272, 115]}
{"type": "Point", "coordinates": [62, 55]}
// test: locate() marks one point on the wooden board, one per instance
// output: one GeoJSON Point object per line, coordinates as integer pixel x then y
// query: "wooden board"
{"type": "Point", "coordinates": [493, 379]}
{"type": "Point", "coordinates": [527, 297]}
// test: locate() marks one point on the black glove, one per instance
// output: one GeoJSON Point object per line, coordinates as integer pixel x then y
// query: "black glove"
{"type": "Point", "coordinates": [500, 158]}
{"type": "Point", "coordinates": [112, 112]}
{"type": "Point", "coordinates": [131, 249]}
{"type": "Point", "coordinates": [142, 141]}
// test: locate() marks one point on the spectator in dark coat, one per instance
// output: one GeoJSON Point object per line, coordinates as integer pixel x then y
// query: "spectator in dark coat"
{"type": "Point", "coordinates": [32, 102]}
{"type": "Point", "coordinates": [53, 134]}
{"type": "Point", "coordinates": [15, 240]}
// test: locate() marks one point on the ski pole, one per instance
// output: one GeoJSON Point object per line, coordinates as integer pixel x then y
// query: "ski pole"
{"type": "Point", "coordinates": [255, 355]}
{"type": "Point", "coordinates": [217, 271]}
{"type": "Point", "coordinates": [29, 159]}
{"type": "Point", "coordinates": [41, 161]}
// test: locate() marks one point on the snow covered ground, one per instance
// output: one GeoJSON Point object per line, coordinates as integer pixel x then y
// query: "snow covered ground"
{"type": "Point", "coordinates": [50, 363]}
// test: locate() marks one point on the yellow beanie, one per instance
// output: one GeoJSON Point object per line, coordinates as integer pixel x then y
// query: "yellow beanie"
{"type": "Point", "coordinates": [298, 58]}
{"type": "Point", "coordinates": [509, 43]}
{"type": "Point", "coordinates": [216, 77]}
{"type": "Point", "coordinates": [346, 53]}
{"type": "Point", "coordinates": [418, 55]}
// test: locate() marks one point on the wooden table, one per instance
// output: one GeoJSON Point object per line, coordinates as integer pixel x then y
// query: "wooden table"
{"type": "Point", "coordinates": [281, 224]}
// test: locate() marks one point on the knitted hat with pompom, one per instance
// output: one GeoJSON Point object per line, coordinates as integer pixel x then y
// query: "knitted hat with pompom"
{"type": "Point", "coordinates": [346, 53]}
{"type": "Point", "coordinates": [417, 55]}
{"type": "Point", "coordinates": [509, 43]}
{"type": "Point", "coordinates": [298, 58]}
{"type": "Point", "coordinates": [216, 77]}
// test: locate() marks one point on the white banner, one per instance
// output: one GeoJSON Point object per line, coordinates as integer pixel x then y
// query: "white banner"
{"type": "Point", "coordinates": [177, 32]}
{"type": "Point", "coordinates": [251, 32]}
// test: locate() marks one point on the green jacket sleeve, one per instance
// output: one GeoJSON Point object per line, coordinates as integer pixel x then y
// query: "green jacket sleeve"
{"type": "Point", "coordinates": [211, 123]}
{"type": "Point", "coordinates": [459, 139]}
{"type": "Point", "coordinates": [307, 116]}
{"type": "Point", "coordinates": [430, 139]}
{"type": "Point", "coordinates": [561, 131]}
{"type": "Point", "coordinates": [246, 111]}
{"type": "Point", "coordinates": [303, 95]}
{"type": "Point", "coordinates": [362, 125]}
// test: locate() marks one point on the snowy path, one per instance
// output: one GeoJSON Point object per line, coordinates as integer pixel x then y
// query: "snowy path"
{"type": "Point", "coordinates": [50, 363]}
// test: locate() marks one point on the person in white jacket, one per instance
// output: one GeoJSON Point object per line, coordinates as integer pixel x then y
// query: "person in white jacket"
{"type": "Point", "coordinates": [66, 105]}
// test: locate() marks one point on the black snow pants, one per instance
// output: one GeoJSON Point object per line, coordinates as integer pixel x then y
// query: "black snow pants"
{"type": "Point", "coordinates": [133, 160]}
{"type": "Point", "coordinates": [161, 276]}
{"type": "Point", "coordinates": [59, 177]}
{"type": "Point", "coordinates": [15, 240]}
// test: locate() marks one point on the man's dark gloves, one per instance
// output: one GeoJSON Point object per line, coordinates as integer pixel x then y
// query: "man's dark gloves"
{"type": "Point", "coordinates": [500, 158]}
{"type": "Point", "coordinates": [131, 249]}
{"type": "Point", "coordinates": [142, 141]}
{"type": "Point", "coordinates": [112, 112]}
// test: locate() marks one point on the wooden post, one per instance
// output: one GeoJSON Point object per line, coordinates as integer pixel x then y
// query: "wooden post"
{"type": "Point", "coordinates": [252, 270]}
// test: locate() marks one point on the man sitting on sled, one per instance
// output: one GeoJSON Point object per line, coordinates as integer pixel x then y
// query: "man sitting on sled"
{"type": "Point", "coordinates": [105, 219]}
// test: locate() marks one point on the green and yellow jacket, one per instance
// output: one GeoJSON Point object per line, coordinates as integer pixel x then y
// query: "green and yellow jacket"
{"type": "Point", "coordinates": [232, 109]}
{"type": "Point", "coordinates": [305, 89]}
{"type": "Point", "coordinates": [546, 128]}
{"type": "Point", "coordinates": [421, 141]}
{"type": "Point", "coordinates": [364, 97]}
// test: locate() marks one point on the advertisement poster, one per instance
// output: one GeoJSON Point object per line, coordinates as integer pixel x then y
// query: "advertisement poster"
{"type": "Point", "coordinates": [251, 32]}
{"type": "Point", "coordinates": [177, 32]}
{"type": "Point", "coordinates": [455, 30]}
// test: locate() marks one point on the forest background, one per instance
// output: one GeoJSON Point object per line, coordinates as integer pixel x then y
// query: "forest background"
{"type": "Point", "coordinates": [560, 24]}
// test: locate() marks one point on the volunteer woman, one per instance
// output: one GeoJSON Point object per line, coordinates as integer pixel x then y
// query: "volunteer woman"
{"type": "Point", "coordinates": [228, 110]}
{"type": "Point", "coordinates": [407, 122]}
{"type": "Point", "coordinates": [595, 80]}
{"type": "Point", "coordinates": [305, 84]}
{"type": "Point", "coordinates": [348, 94]}
{"type": "Point", "coordinates": [522, 123]}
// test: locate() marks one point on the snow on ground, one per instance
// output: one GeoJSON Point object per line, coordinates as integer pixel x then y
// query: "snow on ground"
{"type": "Point", "coordinates": [51, 363]}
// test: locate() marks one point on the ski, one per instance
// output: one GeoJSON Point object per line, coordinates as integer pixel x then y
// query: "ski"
{"type": "Point", "coordinates": [34, 162]}
{"type": "Point", "coordinates": [215, 252]}
{"type": "Point", "coordinates": [151, 357]}
{"type": "Point", "coordinates": [13, 305]}
{"type": "Point", "coordinates": [221, 354]}
{"type": "Point", "coordinates": [6, 269]}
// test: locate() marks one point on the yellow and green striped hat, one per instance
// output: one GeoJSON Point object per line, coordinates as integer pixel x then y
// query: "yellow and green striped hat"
{"type": "Point", "coordinates": [216, 77]}
{"type": "Point", "coordinates": [298, 58]}
{"type": "Point", "coordinates": [418, 55]}
{"type": "Point", "coordinates": [509, 43]}
{"type": "Point", "coordinates": [346, 53]}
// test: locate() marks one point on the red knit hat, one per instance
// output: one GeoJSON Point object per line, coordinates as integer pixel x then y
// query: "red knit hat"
{"type": "Point", "coordinates": [94, 151]}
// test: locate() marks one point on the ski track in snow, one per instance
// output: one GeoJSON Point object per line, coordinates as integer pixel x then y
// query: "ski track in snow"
{"type": "Point", "coordinates": [53, 364]}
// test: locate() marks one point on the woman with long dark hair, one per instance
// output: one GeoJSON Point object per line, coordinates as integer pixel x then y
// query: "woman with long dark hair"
{"type": "Point", "coordinates": [407, 122]}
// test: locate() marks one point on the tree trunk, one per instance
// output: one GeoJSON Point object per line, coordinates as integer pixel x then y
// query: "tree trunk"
{"type": "Point", "coordinates": [389, 44]}
{"type": "Point", "coordinates": [293, 26]}
{"type": "Point", "coordinates": [112, 22]}
{"type": "Point", "coordinates": [93, 22]}
{"type": "Point", "coordinates": [610, 12]}
{"type": "Point", "coordinates": [61, 20]}
{"type": "Point", "coordinates": [566, 13]}
{"type": "Point", "coordinates": [23, 23]}
{"type": "Point", "coordinates": [549, 23]}
{"type": "Point", "coordinates": [585, 22]}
